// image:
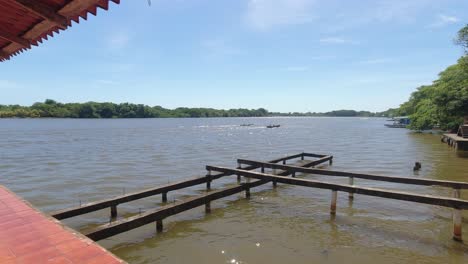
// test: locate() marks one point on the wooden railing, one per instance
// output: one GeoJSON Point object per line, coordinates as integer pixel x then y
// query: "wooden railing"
{"type": "Point", "coordinates": [457, 204]}
{"type": "Point", "coordinates": [157, 215]}
{"type": "Point", "coordinates": [112, 203]}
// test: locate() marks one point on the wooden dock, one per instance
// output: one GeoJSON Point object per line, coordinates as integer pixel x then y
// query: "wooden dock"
{"type": "Point", "coordinates": [455, 141]}
{"type": "Point", "coordinates": [28, 236]}
{"type": "Point", "coordinates": [279, 172]}
{"type": "Point", "coordinates": [283, 170]}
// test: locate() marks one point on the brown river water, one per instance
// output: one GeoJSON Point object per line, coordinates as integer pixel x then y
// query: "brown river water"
{"type": "Point", "coordinates": [58, 163]}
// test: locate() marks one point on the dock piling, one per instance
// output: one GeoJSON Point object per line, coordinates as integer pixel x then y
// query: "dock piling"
{"type": "Point", "coordinates": [334, 198]}
{"type": "Point", "coordinates": [351, 182]}
{"type": "Point", "coordinates": [247, 193]}
{"type": "Point", "coordinates": [457, 225]}
{"type": "Point", "coordinates": [239, 166]}
{"type": "Point", "coordinates": [159, 226]}
{"type": "Point", "coordinates": [164, 197]}
{"type": "Point", "coordinates": [457, 218]}
{"type": "Point", "coordinates": [113, 211]}
{"type": "Point", "coordinates": [208, 180]}
{"type": "Point", "coordinates": [208, 207]}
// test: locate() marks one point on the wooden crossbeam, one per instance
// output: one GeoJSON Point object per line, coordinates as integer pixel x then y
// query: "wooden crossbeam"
{"type": "Point", "coordinates": [19, 40]}
{"type": "Point", "coordinates": [44, 11]}
{"type": "Point", "coordinates": [112, 202]}
{"type": "Point", "coordinates": [425, 199]}
{"type": "Point", "coordinates": [3, 54]}
{"type": "Point", "coordinates": [157, 215]}
{"type": "Point", "coordinates": [405, 180]}
{"type": "Point", "coordinates": [150, 216]}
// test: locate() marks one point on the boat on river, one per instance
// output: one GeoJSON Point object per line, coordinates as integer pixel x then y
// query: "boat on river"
{"type": "Point", "coordinates": [399, 122]}
{"type": "Point", "coordinates": [273, 126]}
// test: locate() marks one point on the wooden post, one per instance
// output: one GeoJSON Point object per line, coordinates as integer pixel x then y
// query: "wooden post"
{"type": "Point", "coordinates": [164, 197]}
{"type": "Point", "coordinates": [263, 169]}
{"type": "Point", "coordinates": [284, 162]}
{"type": "Point", "coordinates": [247, 193]}
{"type": "Point", "coordinates": [457, 218]}
{"type": "Point", "coordinates": [457, 225]}
{"type": "Point", "coordinates": [208, 207]}
{"type": "Point", "coordinates": [113, 211]}
{"type": "Point", "coordinates": [208, 180]}
{"type": "Point", "coordinates": [293, 174]}
{"type": "Point", "coordinates": [302, 156]}
{"type": "Point", "coordinates": [239, 166]}
{"type": "Point", "coordinates": [159, 226]}
{"type": "Point", "coordinates": [274, 184]}
{"type": "Point", "coordinates": [331, 161]}
{"type": "Point", "coordinates": [351, 182]}
{"type": "Point", "coordinates": [333, 202]}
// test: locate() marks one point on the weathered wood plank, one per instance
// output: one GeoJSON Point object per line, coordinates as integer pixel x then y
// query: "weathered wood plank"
{"type": "Point", "coordinates": [98, 205]}
{"type": "Point", "coordinates": [395, 179]}
{"type": "Point", "coordinates": [150, 216]}
{"type": "Point", "coordinates": [425, 199]}
{"type": "Point", "coordinates": [102, 204]}
{"type": "Point", "coordinates": [44, 11]}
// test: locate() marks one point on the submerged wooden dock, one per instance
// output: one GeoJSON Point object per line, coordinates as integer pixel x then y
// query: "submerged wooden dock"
{"type": "Point", "coordinates": [283, 170]}
{"type": "Point", "coordinates": [250, 174]}
{"type": "Point", "coordinates": [455, 141]}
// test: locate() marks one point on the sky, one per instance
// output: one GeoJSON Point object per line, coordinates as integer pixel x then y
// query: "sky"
{"type": "Point", "coordinates": [282, 55]}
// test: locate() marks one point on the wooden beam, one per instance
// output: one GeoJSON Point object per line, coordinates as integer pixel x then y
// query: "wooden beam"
{"type": "Point", "coordinates": [3, 54]}
{"type": "Point", "coordinates": [117, 227]}
{"type": "Point", "coordinates": [120, 226]}
{"type": "Point", "coordinates": [19, 40]}
{"type": "Point", "coordinates": [425, 199]}
{"type": "Point", "coordinates": [44, 11]}
{"type": "Point", "coordinates": [102, 204]}
{"type": "Point", "coordinates": [405, 180]}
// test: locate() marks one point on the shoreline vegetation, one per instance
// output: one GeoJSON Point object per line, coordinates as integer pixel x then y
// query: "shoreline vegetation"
{"type": "Point", "coordinates": [444, 103]}
{"type": "Point", "coordinates": [53, 109]}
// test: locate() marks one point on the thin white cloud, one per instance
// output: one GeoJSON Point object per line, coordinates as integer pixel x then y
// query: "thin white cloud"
{"type": "Point", "coordinates": [7, 84]}
{"type": "Point", "coordinates": [118, 40]}
{"type": "Point", "coordinates": [106, 82]}
{"type": "Point", "coordinates": [336, 40]}
{"type": "Point", "coordinates": [296, 68]}
{"type": "Point", "coordinates": [444, 20]}
{"type": "Point", "coordinates": [351, 14]}
{"type": "Point", "coordinates": [219, 47]}
{"type": "Point", "coordinates": [377, 61]}
{"type": "Point", "coordinates": [266, 14]}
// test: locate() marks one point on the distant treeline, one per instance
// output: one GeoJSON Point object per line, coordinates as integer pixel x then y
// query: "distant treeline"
{"type": "Point", "coordinates": [337, 113]}
{"type": "Point", "coordinates": [444, 103]}
{"type": "Point", "coordinates": [51, 108]}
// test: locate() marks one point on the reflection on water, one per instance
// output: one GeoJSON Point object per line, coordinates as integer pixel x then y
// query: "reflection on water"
{"type": "Point", "coordinates": [60, 163]}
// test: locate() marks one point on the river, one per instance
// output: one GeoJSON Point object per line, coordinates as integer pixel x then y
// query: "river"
{"type": "Point", "coordinates": [58, 163]}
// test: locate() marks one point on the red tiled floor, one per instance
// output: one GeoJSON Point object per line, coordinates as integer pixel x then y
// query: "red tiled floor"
{"type": "Point", "coordinates": [28, 236]}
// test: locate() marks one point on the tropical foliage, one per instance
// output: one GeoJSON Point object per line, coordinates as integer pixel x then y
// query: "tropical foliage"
{"type": "Point", "coordinates": [444, 103]}
{"type": "Point", "coordinates": [51, 108]}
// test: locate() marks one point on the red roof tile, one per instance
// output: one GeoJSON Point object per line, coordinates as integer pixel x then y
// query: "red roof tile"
{"type": "Point", "coordinates": [28, 22]}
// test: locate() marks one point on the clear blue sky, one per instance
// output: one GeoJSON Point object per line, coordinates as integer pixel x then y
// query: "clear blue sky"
{"type": "Point", "coordinates": [283, 55]}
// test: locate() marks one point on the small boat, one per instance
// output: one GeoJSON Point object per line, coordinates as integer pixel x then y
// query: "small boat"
{"type": "Point", "coordinates": [246, 125]}
{"type": "Point", "coordinates": [399, 122]}
{"type": "Point", "coordinates": [273, 126]}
